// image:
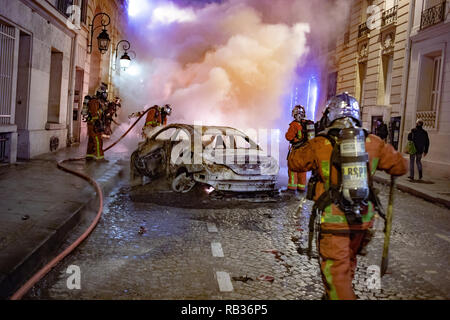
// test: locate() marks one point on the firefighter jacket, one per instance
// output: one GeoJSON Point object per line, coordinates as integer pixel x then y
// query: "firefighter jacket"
{"type": "Point", "coordinates": [155, 118]}
{"type": "Point", "coordinates": [297, 132]}
{"type": "Point", "coordinates": [95, 114]}
{"type": "Point", "coordinates": [316, 155]}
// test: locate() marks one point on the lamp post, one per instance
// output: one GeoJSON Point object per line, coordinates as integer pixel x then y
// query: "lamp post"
{"type": "Point", "coordinates": [125, 59]}
{"type": "Point", "coordinates": [103, 38]}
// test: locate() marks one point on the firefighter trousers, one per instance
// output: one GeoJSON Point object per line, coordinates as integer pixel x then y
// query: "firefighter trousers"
{"type": "Point", "coordinates": [95, 144]}
{"type": "Point", "coordinates": [297, 180]}
{"type": "Point", "coordinates": [338, 263]}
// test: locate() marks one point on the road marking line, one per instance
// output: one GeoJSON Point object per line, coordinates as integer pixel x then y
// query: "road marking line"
{"type": "Point", "coordinates": [442, 237]}
{"type": "Point", "coordinates": [216, 249]}
{"type": "Point", "coordinates": [211, 227]}
{"type": "Point", "coordinates": [223, 278]}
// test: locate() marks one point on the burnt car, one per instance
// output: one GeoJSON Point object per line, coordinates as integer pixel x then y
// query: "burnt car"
{"type": "Point", "coordinates": [223, 158]}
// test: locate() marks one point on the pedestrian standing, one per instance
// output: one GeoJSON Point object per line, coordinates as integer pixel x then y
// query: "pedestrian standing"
{"type": "Point", "coordinates": [419, 137]}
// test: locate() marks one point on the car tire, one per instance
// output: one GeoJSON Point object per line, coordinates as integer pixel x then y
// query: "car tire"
{"type": "Point", "coordinates": [183, 183]}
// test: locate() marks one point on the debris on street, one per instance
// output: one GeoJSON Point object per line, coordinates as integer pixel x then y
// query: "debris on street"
{"type": "Point", "coordinates": [266, 278]}
{"type": "Point", "coordinates": [142, 230]}
{"type": "Point", "coordinates": [242, 279]}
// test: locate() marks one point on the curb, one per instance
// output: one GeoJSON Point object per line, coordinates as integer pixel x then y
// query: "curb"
{"type": "Point", "coordinates": [415, 192]}
{"type": "Point", "coordinates": [48, 248]}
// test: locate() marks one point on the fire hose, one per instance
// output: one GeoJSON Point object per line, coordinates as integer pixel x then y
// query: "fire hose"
{"type": "Point", "coordinates": [49, 266]}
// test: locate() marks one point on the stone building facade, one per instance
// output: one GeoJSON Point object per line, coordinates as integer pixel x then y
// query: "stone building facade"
{"type": "Point", "coordinates": [46, 70]}
{"type": "Point", "coordinates": [393, 57]}
{"type": "Point", "coordinates": [368, 60]}
{"type": "Point", "coordinates": [428, 83]}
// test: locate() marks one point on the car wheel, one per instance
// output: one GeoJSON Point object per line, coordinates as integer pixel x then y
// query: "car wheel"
{"type": "Point", "coordinates": [183, 183]}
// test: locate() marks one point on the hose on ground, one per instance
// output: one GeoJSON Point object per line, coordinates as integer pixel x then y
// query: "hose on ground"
{"type": "Point", "coordinates": [49, 266]}
{"type": "Point", "coordinates": [128, 131]}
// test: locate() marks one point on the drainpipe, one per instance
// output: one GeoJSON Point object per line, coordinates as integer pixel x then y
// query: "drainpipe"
{"type": "Point", "coordinates": [71, 95]}
{"type": "Point", "coordinates": [404, 94]}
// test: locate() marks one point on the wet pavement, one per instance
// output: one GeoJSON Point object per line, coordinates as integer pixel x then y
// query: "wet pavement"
{"type": "Point", "coordinates": [168, 247]}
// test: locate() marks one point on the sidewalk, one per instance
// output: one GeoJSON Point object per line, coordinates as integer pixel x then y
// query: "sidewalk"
{"type": "Point", "coordinates": [39, 206]}
{"type": "Point", "coordinates": [436, 190]}
{"type": "Point", "coordinates": [432, 189]}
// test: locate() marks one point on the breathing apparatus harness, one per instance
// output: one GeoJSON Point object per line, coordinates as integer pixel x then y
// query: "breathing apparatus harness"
{"type": "Point", "coordinates": [309, 128]}
{"type": "Point", "coordinates": [100, 119]}
{"type": "Point", "coordinates": [85, 110]}
{"type": "Point", "coordinates": [354, 186]}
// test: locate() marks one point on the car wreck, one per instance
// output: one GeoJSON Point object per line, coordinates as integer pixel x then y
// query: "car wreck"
{"type": "Point", "coordinates": [223, 158]}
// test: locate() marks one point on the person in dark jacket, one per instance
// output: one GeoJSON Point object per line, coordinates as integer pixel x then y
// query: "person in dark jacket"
{"type": "Point", "coordinates": [421, 141]}
{"type": "Point", "coordinates": [382, 130]}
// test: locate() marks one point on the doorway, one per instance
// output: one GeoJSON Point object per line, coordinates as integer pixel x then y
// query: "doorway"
{"type": "Point", "coordinates": [374, 124]}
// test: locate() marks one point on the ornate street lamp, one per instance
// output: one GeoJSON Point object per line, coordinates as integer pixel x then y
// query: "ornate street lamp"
{"type": "Point", "coordinates": [125, 59]}
{"type": "Point", "coordinates": [103, 38]}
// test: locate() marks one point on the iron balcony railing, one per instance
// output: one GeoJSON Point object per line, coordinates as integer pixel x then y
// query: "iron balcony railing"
{"type": "Point", "coordinates": [428, 117]}
{"type": "Point", "coordinates": [363, 30]}
{"type": "Point", "coordinates": [390, 16]}
{"type": "Point", "coordinates": [433, 15]}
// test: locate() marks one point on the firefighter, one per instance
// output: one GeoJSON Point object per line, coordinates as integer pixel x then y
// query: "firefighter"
{"type": "Point", "coordinates": [109, 114]}
{"type": "Point", "coordinates": [96, 107]}
{"type": "Point", "coordinates": [344, 157]}
{"type": "Point", "coordinates": [157, 116]}
{"type": "Point", "coordinates": [300, 130]}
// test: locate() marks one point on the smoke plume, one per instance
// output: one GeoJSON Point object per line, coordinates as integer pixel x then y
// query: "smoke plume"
{"type": "Point", "coordinates": [223, 63]}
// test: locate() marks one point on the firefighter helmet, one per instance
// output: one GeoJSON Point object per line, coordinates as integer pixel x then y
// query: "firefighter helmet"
{"type": "Point", "coordinates": [342, 106]}
{"type": "Point", "coordinates": [102, 91]}
{"type": "Point", "coordinates": [298, 112]}
{"type": "Point", "coordinates": [167, 109]}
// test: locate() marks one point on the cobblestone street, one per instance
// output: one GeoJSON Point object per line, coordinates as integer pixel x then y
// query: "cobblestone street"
{"type": "Point", "coordinates": [172, 249]}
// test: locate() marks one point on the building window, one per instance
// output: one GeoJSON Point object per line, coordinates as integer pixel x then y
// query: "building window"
{"type": "Point", "coordinates": [384, 96]}
{"type": "Point", "coordinates": [362, 73]}
{"type": "Point", "coordinates": [84, 7]}
{"type": "Point", "coordinates": [347, 34]}
{"type": "Point", "coordinates": [363, 29]}
{"type": "Point", "coordinates": [332, 85]}
{"type": "Point", "coordinates": [63, 5]}
{"type": "Point", "coordinates": [7, 41]}
{"type": "Point", "coordinates": [430, 84]}
{"type": "Point", "coordinates": [54, 96]}
{"type": "Point", "coordinates": [436, 84]}
{"type": "Point", "coordinates": [390, 12]}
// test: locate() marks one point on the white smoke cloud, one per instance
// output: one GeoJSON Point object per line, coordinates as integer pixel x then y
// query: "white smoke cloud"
{"type": "Point", "coordinates": [231, 81]}
{"type": "Point", "coordinates": [228, 63]}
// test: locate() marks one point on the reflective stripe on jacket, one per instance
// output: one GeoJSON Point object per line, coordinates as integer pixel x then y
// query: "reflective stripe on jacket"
{"type": "Point", "coordinates": [95, 109]}
{"type": "Point", "coordinates": [154, 118]}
